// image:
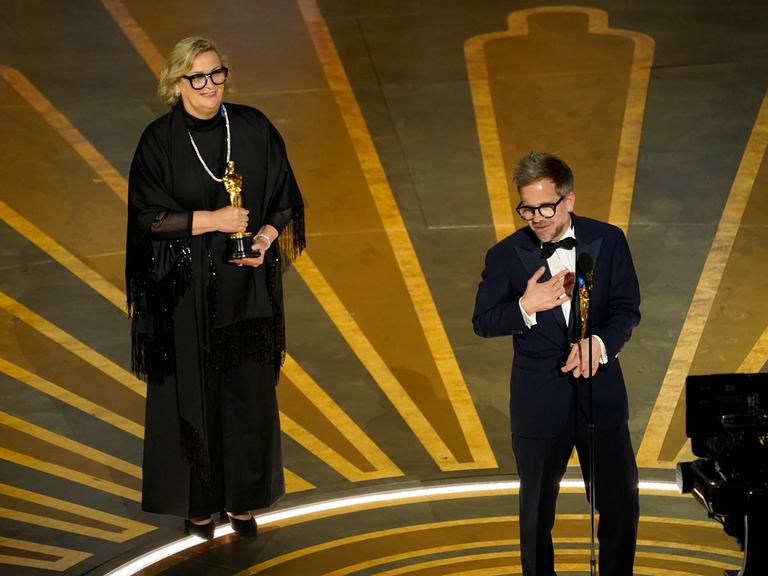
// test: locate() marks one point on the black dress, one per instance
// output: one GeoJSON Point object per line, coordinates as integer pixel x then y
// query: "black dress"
{"type": "Point", "coordinates": [208, 336]}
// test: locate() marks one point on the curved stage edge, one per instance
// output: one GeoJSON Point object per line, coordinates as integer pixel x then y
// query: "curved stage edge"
{"type": "Point", "coordinates": [465, 531]}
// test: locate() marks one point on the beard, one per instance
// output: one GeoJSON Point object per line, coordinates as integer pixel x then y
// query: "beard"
{"type": "Point", "coordinates": [552, 233]}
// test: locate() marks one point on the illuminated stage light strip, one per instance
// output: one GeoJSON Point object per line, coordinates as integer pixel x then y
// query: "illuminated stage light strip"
{"type": "Point", "coordinates": [364, 500]}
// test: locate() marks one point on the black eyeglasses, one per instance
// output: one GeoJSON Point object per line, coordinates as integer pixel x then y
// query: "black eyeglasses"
{"type": "Point", "coordinates": [199, 81]}
{"type": "Point", "coordinates": [545, 210]}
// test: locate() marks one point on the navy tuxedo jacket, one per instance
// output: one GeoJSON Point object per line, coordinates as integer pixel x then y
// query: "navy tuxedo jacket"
{"type": "Point", "coordinates": [540, 394]}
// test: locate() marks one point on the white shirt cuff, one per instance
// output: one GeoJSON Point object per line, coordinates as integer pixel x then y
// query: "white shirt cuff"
{"type": "Point", "coordinates": [603, 353]}
{"type": "Point", "coordinates": [529, 319]}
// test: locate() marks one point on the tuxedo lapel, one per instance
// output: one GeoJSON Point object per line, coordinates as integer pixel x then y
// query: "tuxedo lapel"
{"type": "Point", "coordinates": [532, 261]}
{"type": "Point", "coordinates": [587, 243]}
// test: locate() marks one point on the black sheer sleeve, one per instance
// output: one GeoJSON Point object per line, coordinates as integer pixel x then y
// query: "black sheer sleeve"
{"type": "Point", "coordinates": [169, 225]}
{"type": "Point", "coordinates": [280, 220]}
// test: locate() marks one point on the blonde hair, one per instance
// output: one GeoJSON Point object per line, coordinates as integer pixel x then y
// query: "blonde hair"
{"type": "Point", "coordinates": [177, 64]}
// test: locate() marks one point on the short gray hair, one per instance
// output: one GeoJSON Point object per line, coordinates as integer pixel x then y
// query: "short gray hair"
{"type": "Point", "coordinates": [535, 166]}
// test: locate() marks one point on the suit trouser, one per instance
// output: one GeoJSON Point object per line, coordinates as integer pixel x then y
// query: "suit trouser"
{"type": "Point", "coordinates": [541, 464]}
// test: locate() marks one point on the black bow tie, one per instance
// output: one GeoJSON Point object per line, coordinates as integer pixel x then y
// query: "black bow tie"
{"type": "Point", "coordinates": [548, 248]}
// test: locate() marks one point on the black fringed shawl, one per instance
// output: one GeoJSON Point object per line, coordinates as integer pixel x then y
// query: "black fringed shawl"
{"type": "Point", "coordinates": [191, 311]}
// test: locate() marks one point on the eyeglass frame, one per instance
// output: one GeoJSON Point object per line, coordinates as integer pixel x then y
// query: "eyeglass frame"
{"type": "Point", "coordinates": [207, 77]}
{"type": "Point", "coordinates": [538, 208]}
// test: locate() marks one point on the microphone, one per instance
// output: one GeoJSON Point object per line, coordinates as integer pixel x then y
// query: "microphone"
{"type": "Point", "coordinates": [584, 266]}
{"type": "Point", "coordinates": [584, 273]}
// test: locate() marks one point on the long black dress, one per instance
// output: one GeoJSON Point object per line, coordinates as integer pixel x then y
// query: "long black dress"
{"type": "Point", "coordinates": [208, 336]}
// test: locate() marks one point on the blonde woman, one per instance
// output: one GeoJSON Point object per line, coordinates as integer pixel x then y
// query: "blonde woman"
{"type": "Point", "coordinates": [207, 327]}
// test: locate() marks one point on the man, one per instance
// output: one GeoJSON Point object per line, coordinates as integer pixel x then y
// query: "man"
{"type": "Point", "coordinates": [526, 291]}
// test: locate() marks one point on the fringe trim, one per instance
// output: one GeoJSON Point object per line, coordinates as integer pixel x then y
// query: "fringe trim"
{"type": "Point", "coordinates": [196, 453]}
{"type": "Point", "coordinates": [254, 339]}
{"type": "Point", "coordinates": [292, 238]}
{"type": "Point", "coordinates": [151, 358]}
{"type": "Point", "coordinates": [151, 306]}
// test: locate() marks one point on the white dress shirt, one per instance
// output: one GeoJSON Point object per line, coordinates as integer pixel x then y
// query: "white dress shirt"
{"type": "Point", "coordinates": [563, 259]}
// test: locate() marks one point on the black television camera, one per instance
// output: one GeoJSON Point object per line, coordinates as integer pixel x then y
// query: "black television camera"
{"type": "Point", "coordinates": [726, 418]}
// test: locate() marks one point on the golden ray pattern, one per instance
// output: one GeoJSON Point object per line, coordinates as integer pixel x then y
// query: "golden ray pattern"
{"type": "Point", "coordinates": [295, 483]}
{"type": "Point", "coordinates": [64, 127]}
{"type": "Point", "coordinates": [442, 355]}
{"type": "Point", "coordinates": [73, 345]}
{"type": "Point", "coordinates": [143, 44]}
{"type": "Point", "coordinates": [403, 249]}
{"type": "Point", "coordinates": [116, 373]}
{"type": "Point", "coordinates": [90, 522]}
{"type": "Point", "coordinates": [666, 546]}
{"type": "Point", "coordinates": [68, 397]}
{"type": "Point", "coordinates": [489, 113]}
{"type": "Point", "coordinates": [117, 183]}
{"type": "Point", "coordinates": [375, 364]}
{"type": "Point", "coordinates": [567, 560]}
{"type": "Point", "coordinates": [670, 395]}
{"type": "Point", "coordinates": [758, 356]}
{"type": "Point", "coordinates": [56, 446]}
{"type": "Point", "coordinates": [61, 255]}
{"type": "Point", "coordinates": [382, 465]}
{"type": "Point", "coordinates": [61, 559]}
{"type": "Point", "coordinates": [91, 357]}
{"type": "Point", "coordinates": [374, 549]}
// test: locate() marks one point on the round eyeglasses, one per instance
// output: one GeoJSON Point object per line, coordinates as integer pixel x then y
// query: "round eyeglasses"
{"type": "Point", "coordinates": [199, 81]}
{"type": "Point", "coordinates": [548, 210]}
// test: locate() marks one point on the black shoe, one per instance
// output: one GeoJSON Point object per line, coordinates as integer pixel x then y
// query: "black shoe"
{"type": "Point", "coordinates": [204, 531]}
{"type": "Point", "coordinates": [245, 528]}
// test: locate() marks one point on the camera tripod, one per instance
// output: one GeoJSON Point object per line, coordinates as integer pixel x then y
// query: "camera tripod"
{"type": "Point", "coordinates": [755, 562]}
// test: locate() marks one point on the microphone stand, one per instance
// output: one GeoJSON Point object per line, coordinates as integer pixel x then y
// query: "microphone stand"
{"type": "Point", "coordinates": [592, 455]}
{"type": "Point", "coordinates": [585, 297]}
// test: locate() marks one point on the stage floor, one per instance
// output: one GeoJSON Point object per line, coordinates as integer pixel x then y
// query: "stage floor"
{"type": "Point", "coordinates": [467, 528]}
{"type": "Point", "coordinates": [402, 119]}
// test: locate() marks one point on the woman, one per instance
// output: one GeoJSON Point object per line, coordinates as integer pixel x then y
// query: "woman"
{"type": "Point", "coordinates": [207, 330]}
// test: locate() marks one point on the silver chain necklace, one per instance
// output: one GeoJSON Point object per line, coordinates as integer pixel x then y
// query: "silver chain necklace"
{"type": "Point", "coordinates": [199, 157]}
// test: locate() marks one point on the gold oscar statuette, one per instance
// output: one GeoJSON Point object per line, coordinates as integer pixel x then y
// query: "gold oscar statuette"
{"type": "Point", "coordinates": [239, 244]}
{"type": "Point", "coordinates": [583, 308]}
